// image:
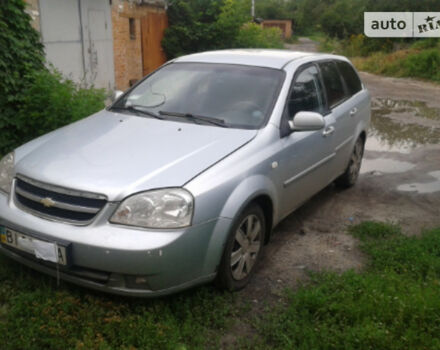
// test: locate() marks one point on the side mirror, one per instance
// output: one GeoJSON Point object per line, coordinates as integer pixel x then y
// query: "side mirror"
{"type": "Point", "coordinates": [117, 94]}
{"type": "Point", "coordinates": [307, 121]}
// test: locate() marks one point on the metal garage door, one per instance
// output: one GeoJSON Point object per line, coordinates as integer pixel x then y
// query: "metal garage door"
{"type": "Point", "coordinates": [77, 36]}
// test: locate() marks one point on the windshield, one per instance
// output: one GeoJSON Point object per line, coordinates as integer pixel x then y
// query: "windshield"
{"type": "Point", "coordinates": [238, 96]}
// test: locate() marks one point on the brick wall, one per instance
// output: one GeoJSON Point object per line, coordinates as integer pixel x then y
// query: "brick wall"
{"type": "Point", "coordinates": [128, 51]}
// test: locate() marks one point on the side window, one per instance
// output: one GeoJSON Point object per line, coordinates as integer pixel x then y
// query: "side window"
{"type": "Point", "coordinates": [307, 93]}
{"type": "Point", "coordinates": [333, 83]}
{"type": "Point", "coordinates": [352, 80]}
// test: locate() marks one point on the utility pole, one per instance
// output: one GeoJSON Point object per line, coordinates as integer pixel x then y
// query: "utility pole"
{"type": "Point", "coordinates": [253, 9]}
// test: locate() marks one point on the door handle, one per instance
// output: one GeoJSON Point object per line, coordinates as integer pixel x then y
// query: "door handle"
{"type": "Point", "coordinates": [353, 112]}
{"type": "Point", "coordinates": [328, 131]}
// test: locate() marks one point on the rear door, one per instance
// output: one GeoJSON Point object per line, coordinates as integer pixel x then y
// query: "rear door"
{"type": "Point", "coordinates": [338, 110]}
{"type": "Point", "coordinates": [357, 104]}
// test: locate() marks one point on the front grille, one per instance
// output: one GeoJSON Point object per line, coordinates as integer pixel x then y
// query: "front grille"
{"type": "Point", "coordinates": [56, 202]}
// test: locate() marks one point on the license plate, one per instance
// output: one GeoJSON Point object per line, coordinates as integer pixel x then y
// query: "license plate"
{"type": "Point", "coordinates": [48, 251]}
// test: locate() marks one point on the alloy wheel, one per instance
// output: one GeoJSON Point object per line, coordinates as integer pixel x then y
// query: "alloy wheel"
{"type": "Point", "coordinates": [247, 244]}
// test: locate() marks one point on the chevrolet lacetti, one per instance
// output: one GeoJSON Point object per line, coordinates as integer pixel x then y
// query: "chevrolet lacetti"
{"type": "Point", "coordinates": [182, 179]}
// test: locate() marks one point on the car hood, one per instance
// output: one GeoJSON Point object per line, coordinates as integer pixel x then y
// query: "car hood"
{"type": "Point", "coordinates": [118, 154]}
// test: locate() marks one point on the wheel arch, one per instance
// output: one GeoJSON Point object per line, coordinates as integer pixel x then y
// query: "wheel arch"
{"type": "Point", "coordinates": [257, 189]}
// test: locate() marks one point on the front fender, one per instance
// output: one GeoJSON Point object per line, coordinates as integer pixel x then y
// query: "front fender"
{"type": "Point", "coordinates": [243, 194]}
{"type": "Point", "coordinates": [249, 189]}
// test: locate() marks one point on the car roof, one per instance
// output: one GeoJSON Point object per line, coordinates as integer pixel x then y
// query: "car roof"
{"type": "Point", "coordinates": [252, 57]}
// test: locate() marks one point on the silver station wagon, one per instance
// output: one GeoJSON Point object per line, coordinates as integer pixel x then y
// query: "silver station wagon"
{"type": "Point", "coordinates": [182, 179]}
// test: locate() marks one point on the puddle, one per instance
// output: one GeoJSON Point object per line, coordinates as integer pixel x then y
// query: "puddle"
{"type": "Point", "coordinates": [387, 134]}
{"type": "Point", "coordinates": [380, 166]}
{"type": "Point", "coordinates": [417, 108]}
{"type": "Point", "coordinates": [420, 187]}
{"type": "Point", "coordinates": [376, 143]}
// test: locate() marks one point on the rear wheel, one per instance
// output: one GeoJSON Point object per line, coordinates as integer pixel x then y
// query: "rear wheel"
{"type": "Point", "coordinates": [349, 177]}
{"type": "Point", "coordinates": [243, 249]}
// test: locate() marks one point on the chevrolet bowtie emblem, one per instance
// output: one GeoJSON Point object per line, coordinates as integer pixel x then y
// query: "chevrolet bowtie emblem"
{"type": "Point", "coordinates": [47, 202]}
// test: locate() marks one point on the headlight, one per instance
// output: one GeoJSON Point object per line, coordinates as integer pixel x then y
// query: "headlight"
{"type": "Point", "coordinates": [166, 208]}
{"type": "Point", "coordinates": [6, 172]}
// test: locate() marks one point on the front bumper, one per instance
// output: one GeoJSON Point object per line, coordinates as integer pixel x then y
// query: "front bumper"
{"type": "Point", "coordinates": [120, 259]}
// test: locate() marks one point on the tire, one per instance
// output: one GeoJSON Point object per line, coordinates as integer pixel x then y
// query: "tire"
{"type": "Point", "coordinates": [351, 174]}
{"type": "Point", "coordinates": [243, 249]}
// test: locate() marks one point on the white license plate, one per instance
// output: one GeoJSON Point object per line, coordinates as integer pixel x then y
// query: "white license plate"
{"type": "Point", "coordinates": [48, 251]}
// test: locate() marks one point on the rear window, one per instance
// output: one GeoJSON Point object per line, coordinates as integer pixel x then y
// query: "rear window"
{"type": "Point", "coordinates": [352, 80]}
{"type": "Point", "coordinates": [333, 83]}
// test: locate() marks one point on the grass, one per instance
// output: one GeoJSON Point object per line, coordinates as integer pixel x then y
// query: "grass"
{"type": "Point", "coordinates": [36, 314]}
{"type": "Point", "coordinates": [393, 304]}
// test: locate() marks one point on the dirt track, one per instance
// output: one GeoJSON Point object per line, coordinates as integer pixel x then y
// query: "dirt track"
{"type": "Point", "coordinates": [399, 183]}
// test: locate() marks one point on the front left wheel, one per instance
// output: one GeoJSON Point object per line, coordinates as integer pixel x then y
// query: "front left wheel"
{"type": "Point", "coordinates": [243, 249]}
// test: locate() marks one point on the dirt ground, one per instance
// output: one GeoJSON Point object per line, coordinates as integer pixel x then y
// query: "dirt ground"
{"type": "Point", "coordinates": [399, 183]}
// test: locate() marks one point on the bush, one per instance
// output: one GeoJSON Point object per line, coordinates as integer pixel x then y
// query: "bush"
{"type": "Point", "coordinates": [47, 104]}
{"type": "Point", "coordinates": [251, 35]}
{"type": "Point", "coordinates": [424, 64]}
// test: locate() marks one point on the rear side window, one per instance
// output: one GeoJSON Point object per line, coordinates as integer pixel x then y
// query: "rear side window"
{"type": "Point", "coordinates": [352, 80]}
{"type": "Point", "coordinates": [333, 83]}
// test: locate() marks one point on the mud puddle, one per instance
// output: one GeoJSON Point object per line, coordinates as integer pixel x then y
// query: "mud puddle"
{"type": "Point", "coordinates": [423, 187]}
{"type": "Point", "coordinates": [402, 125]}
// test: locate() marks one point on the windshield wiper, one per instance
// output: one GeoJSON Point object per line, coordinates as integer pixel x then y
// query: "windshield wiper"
{"type": "Point", "coordinates": [139, 109]}
{"type": "Point", "coordinates": [215, 121]}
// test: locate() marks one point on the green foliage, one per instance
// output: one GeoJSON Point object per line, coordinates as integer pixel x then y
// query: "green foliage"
{"type": "Point", "coordinates": [201, 25]}
{"type": "Point", "coordinates": [426, 43]}
{"type": "Point", "coordinates": [52, 101]}
{"type": "Point", "coordinates": [253, 36]}
{"type": "Point", "coordinates": [192, 27]}
{"type": "Point", "coordinates": [393, 305]}
{"type": "Point", "coordinates": [361, 45]}
{"type": "Point", "coordinates": [413, 63]}
{"type": "Point", "coordinates": [343, 18]}
{"type": "Point", "coordinates": [20, 54]}
{"type": "Point", "coordinates": [48, 103]}
{"type": "Point", "coordinates": [273, 9]}
{"type": "Point", "coordinates": [424, 64]}
{"type": "Point", "coordinates": [20, 50]}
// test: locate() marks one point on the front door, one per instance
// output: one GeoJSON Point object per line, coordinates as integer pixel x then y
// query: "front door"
{"type": "Point", "coordinates": [307, 156]}
{"type": "Point", "coordinates": [153, 28]}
